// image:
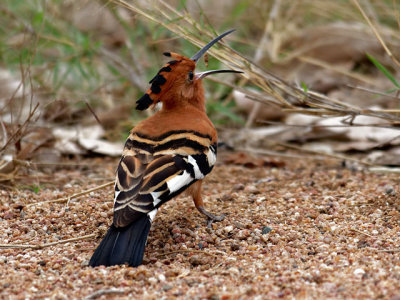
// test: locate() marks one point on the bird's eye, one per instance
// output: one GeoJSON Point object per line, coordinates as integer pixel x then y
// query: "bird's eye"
{"type": "Point", "coordinates": [190, 75]}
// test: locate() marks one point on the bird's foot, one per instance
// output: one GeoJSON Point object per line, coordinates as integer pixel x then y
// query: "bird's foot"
{"type": "Point", "coordinates": [214, 219]}
{"type": "Point", "coordinates": [211, 218]}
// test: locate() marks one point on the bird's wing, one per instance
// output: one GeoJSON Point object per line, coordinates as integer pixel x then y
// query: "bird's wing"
{"type": "Point", "coordinates": [153, 170]}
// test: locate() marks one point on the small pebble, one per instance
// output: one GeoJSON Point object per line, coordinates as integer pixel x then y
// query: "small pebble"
{"type": "Point", "coordinates": [389, 190]}
{"type": "Point", "coordinates": [197, 260]}
{"type": "Point", "coordinates": [266, 230]}
{"type": "Point", "coordinates": [233, 270]}
{"type": "Point", "coordinates": [152, 280]}
{"type": "Point", "coordinates": [243, 234]}
{"type": "Point", "coordinates": [227, 197]}
{"type": "Point", "coordinates": [251, 189]}
{"type": "Point", "coordinates": [238, 187]}
{"type": "Point", "coordinates": [43, 263]}
{"type": "Point", "coordinates": [235, 247]}
{"type": "Point", "coordinates": [9, 215]}
{"type": "Point", "coordinates": [261, 199]}
{"type": "Point", "coordinates": [228, 229]}
{"type": "Point", "coordinates": [167, 287]}
{"type": "Point", "coordinates": [67, 186]}
{"type": "Point", "coordinates": [161, 277]}
{"type": "Point", "coordinates": [359, 272]}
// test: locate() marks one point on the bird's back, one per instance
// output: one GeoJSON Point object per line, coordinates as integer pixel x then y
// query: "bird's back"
{"type": "Point", "coordinates": [185, 118]}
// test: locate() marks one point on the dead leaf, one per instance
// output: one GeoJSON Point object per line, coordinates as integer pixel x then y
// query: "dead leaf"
{"type": "Point", "coordinates": [79, 140]}
{"type": "Point", "coordinates": [102, 147]}
{"type": "Point", "coordinates": [386, 158]}
{"type": "Point", "coordinates": [6, 164]}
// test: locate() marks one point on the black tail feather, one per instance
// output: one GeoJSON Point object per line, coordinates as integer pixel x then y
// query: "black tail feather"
{"type": "Point", "coordinates": [123, 245]}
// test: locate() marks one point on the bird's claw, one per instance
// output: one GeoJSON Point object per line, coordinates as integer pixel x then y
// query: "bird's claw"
{"type": "Point", "coordinates": [210, 217]}
{"type": "Point", "coordinates": [213, 218]}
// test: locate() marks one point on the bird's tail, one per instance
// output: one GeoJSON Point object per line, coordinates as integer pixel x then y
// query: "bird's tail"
{"type": "Point", "coordinates": [123, 245]}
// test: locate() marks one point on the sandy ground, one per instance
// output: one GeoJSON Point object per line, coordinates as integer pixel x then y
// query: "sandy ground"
{"type": "Point", "coordinates": [304, 230]}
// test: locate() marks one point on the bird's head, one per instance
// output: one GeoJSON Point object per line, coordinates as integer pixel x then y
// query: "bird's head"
{"type": "Point", "coordinates": [177, 81]}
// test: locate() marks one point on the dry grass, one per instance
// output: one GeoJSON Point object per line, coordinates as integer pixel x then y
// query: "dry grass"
{"type": "Point", "coordinates": [274, 89]}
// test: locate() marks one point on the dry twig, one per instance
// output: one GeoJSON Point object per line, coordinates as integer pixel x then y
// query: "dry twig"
{"type": "Point", "coordinates": [384, 170]}
{"type": "Point", "coordinates": [40, 246]}
{"type": "Point", "coordinates": [289, 97]}
{"type": "Point", "coordinates": [359, 231]}
{"type": "Point", "coordinates": [76, 195]}
{"type": "Point", "coordinates": [388, 250]}
{"type": "Point", "coordinates": [186, 251]}
{"type": "Point", "coordinates": [376, 32]}
{"type": "Point", "coordinates": [100, 293]}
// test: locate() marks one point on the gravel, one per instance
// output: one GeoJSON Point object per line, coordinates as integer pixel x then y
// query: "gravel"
{"type": "Point", "coordinates": [306, 230]}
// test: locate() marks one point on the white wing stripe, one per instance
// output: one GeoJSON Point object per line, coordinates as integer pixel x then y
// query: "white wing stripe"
{"type": "Point", "coordinates": [211, 157]}
{"type": "Point", "coordinates": [152, 214]}
{"type": "Point", "coordinates": [156, 198]}
{"type": "Point", "coordinates": [197, 172]}
{"type": "Point", "coordinates": [179, 181]}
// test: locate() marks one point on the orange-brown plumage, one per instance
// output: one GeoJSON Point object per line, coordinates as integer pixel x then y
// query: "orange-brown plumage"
{"type": "Point", "coordinates": [176, 88]}
{"type": "Point", "coordinates": [164, 155]}
{"type": "Point", "coordinates": [184, 116]}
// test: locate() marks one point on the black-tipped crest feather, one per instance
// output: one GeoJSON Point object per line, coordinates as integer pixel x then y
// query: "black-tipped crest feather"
{"type": "Point", "coordinates": [144, 102]}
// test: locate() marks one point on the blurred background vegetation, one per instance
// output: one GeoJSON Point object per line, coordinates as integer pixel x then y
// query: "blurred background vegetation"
{"type": "Point", "coordinates": [92, 52]}
{"type": "Point", "coordinates": [84, 63]}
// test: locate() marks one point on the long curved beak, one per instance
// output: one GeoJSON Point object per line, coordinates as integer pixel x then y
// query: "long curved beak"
{"type": "Point", "coordinates": [203, 50]}
{"type": "Point", "coordinates": [206, 73]}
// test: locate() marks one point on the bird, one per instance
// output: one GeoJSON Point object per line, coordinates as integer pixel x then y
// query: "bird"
{"type": "Point", "coordinates": [164, 155]}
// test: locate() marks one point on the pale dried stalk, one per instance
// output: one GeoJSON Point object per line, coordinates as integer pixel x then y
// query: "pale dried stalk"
{"type": "Point", "coordinates": [286, 95]}
{"type": "Point", "coordinates": [21, 128]}
{"type": "Point", "coordinates": [40, 246]}
{"type": "Point", "coordinates": [384, 170]}
{"type": "Point", "coordinates": [396, 11]}
{"type": "Point", "coordinates": [376, 32]}
{"type": "Point", "coordinates": [386, 250]}
{"type": "Point", "coordinates": [76, 195]}
{"type": "Point", "coordinates": [112, 291]}
{"type": "Point", "coordinates": [261, 49]}
{"type": "Point", "coordinates": [359, 231]}
{"type": "Point", "coordinates": [371, 91]}
{"type": "Point", "coordinates": [28, 164]}
{"type": "Point", "coordinates": [316, 125]}
{"type": "Point", "coordinates": [186, 251]}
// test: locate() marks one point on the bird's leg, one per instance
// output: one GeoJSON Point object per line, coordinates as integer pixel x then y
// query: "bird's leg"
{"type": "Point", "coordinates": [195, 191]}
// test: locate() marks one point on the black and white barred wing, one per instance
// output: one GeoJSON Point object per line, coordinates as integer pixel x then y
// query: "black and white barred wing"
{"type": "Point", "coordinates": [145, 180]}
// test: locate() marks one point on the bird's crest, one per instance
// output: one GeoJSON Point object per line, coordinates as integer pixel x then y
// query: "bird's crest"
{"type": "Point", "coordinates": [164, 76]}
{"type": "Point", "coordinates": [180, 69]}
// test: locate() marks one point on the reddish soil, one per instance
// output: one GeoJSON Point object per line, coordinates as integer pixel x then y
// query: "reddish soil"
{"type": "Point", "coordinates": [304, 229]}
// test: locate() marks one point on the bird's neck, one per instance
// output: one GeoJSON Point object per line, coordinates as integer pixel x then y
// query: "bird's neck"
{"type": "Point", "coordinates": [180, 101]}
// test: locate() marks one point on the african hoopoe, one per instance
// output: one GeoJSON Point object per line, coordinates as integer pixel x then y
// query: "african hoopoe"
{"type": "Point", "coordinates": [169, 152]}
